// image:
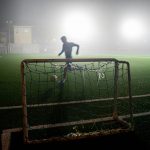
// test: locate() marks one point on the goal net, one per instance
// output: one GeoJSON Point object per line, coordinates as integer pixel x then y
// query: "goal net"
{"type": "Point", "coordinates": [66, 99]}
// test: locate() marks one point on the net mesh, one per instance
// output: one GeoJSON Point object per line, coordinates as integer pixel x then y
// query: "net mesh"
{"type": "Point", "coordinates": [57, 94]}
{"type": "Point", "coordinates": [83, 81]}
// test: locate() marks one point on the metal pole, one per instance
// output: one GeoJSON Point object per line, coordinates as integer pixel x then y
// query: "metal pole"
{"type": "Point", "coordinates": [9, 22]}
{"type": "Point", "coordinates": [115, 113]}
{"type": "Point", "coordinates": [24, 104]}
{"type": "Point", "coordinates": [130, 95]}
{"type": "Point", "coordinates": [8, 50]}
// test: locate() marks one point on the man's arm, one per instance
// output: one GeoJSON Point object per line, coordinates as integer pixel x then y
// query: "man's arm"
{"type": "Point", "coordinates": [61, 51]}
{"type": "Point", "coordinates": [77, 52]}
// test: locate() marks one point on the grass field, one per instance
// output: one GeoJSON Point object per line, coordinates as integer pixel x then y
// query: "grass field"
{"type": "Point", "coordinates": [10, 87]}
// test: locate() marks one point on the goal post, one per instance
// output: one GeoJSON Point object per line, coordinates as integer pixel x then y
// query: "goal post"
{"type": "Point", "coordinates": [89, 97]}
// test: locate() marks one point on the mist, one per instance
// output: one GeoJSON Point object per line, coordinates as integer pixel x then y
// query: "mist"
{"type": "Point", "coordinates": [110, 31]}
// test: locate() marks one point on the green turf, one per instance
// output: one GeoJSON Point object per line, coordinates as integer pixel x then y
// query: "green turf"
{"type": "Point", "coordinates": [10, 85]}
{"type": "Point", "coordinates": [10, 78]}
{"type": "Point", "coordinates": [10, 90]}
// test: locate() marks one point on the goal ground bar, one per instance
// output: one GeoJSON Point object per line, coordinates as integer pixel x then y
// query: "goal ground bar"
{"type": "Point", "coordinates": [6, 134]}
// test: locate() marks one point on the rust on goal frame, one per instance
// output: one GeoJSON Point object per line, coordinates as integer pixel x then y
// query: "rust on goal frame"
{"type": "Point", "coordinates": [88, 97]}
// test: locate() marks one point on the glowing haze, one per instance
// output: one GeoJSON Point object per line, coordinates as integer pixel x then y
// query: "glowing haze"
{"type": "Point", "coordinates": [78, 25]}
{"type": "Point", "coordinates": [132, 28]}
{"type": "Point", "coordinates": [98, 26]}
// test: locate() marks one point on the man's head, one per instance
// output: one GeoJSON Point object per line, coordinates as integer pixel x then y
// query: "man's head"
{"type": "Point", "coordinates": [63, 39]}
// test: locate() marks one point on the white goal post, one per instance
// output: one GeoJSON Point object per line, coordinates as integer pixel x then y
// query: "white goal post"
{"type": "Point", "coordinates": [86, 104]}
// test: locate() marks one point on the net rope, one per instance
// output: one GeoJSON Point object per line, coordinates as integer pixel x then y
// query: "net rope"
{"type": "Point", "coordinates": [84, 81]}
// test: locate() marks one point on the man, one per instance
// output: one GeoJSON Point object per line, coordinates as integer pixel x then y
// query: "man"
{"type": "Point", "coordinates": [67, 49]}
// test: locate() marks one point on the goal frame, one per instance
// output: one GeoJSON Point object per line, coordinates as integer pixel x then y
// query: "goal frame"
{"type": "Point", "coordinates": [115, 98]}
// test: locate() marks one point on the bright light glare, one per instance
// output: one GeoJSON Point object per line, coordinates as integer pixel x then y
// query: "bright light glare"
{"type": "Point", "coordinates": [78, 25]}
{"type": "Point", "coordinates": [132, 28]}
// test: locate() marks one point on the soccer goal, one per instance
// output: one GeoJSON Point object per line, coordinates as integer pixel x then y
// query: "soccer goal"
{"type": "Point", "coordinates": [65, 99]}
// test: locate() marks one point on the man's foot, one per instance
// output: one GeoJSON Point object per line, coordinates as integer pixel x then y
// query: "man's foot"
{"type": "Point", "coordinates": [69, 67]}
{"type": "Point", "coordinates": [62, 81]}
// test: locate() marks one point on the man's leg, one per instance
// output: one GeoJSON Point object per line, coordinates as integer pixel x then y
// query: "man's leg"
{"type": "Point", "coordinates": [66, 68]}
{"type": "Point", "coordinates": [65, 72]}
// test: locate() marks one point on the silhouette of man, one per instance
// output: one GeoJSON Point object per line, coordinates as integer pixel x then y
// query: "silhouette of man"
{"type": "Point", "coordinates": [67, 49]}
